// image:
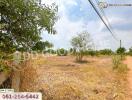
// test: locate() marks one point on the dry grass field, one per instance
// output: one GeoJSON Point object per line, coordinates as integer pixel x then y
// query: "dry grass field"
{"type": "Point", "coordinates": [61, 78]}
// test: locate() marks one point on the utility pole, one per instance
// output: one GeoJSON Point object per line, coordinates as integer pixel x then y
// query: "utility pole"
{"type": "Point", "coordinates": [104, 5]}
{"type": "Point", "coordinates": [120, 43]}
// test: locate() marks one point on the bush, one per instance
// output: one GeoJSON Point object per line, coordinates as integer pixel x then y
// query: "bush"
{"type": "Point", "coordinates": [118, 65]}
{"type": "Point", "coordinates": [116, 60]}
{"type": "Point", "coordinates": [106, 52]}
{"type": "Point", "coordinates": [130, 52]}
{"type": "Point", "coordinates": [91, 53]}
{"type": "Point", "coordinates": [62, 52]}
{"type": "Point", "coordinates": [51, 51]}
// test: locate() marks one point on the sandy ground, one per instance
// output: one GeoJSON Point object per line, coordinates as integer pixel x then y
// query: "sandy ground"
{"type": "Point", "coordinates": [61, 78]}
{"type": "Point", "coordinates": [128, 61]}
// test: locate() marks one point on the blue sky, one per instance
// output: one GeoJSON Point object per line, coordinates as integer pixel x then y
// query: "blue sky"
{"type": "Point", "coordinates": [78, 15]}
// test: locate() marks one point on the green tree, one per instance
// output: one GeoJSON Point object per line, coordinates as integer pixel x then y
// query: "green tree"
{"type": "Point", "coordinates": [62, 52]}
{"type": "Point", "coordinates": [91, 52]}
{"type": "Point", "coordinates": [51, 51]}
{"type": "Point", "coordinates": [40, 46]}
{"type": "Point", "coordinates": [22, 22]}
{"type": "Point", "coordinates": [121, 50]}
{"type": "Point", "coordinates": [130, 51]}
{"type": "Point", "coordinates": [106, 52]}
{"type": "Point", "coordinates": [81, 43]}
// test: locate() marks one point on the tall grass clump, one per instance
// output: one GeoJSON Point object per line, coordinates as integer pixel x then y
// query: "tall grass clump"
{"type": "Point", "coordinates": [118, 64]}
{"type": "Point", "coordinates": [116, 60]}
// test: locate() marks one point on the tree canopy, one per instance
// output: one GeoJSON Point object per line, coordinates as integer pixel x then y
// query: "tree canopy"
{"type": "Point", "coordinates": [40, 46]}
{"type": "Point", "coordinates": [22, 21]}
{"type": "Point", "coordinates": [121, 50]}
{"type": "Point", "coordinates": [81, 43]}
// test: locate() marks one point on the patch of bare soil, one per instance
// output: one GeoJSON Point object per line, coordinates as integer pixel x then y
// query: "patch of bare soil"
{"type": "Point", "coordinates": [128, 61]}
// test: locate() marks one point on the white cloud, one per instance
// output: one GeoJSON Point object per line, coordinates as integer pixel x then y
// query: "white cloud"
{"type": "Point", "coordinates": [64, 26]}
{"type": "Point", "coordinates": [67, 28]}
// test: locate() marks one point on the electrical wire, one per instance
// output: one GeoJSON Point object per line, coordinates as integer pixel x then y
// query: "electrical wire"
{"type": "Point", "coordinates": [107, 26]}
{"type": "Point", "coordinates": [104, 15]}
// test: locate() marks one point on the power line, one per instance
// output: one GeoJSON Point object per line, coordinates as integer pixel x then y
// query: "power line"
{"type": "Point", "coordinates": [104, 15]}
{"type": "Point", "coordinates": [94, 7]}
{"type": "Point", "coordinates": [109, 27]}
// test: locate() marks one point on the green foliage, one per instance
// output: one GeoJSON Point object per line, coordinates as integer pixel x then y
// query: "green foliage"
{"type": "Point", "coordinates": [4, 67]}
{"type": "Point", "coordinates": [72, 51]}
{"type": "Point", "coordinates": [106, 52]}
{"type": "Point", "coordinates": [130, 51]}
{"type": "Point", "coordinates": [40, 46]}
{"type": "Point", "coordinates": [93, 53]}
{"type": "Point", "coordinates": [50, 51]}
{"type": "Point", "coordinates": [20, 26]}
{"type": "Point", "coordinates": [81, 43]}
{"type": "Point", "coordinates": [62, 52]}
{"type": "Point", "coordinates": [90, 53]}
{"type": "Point", "coordinates": [121, 50]}
{"type": "Point", "coordinates": [22, 22]}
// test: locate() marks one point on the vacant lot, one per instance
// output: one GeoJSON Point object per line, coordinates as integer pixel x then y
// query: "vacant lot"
{"type": "Point", "coordinates": [61, 78]}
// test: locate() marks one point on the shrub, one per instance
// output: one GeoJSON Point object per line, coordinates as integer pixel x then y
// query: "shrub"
{"type": "Point", "coordinates": [116, 60]}
{"type": "Point", "coordinates": [130, 51]}
{"type": "Point", "coordinates": [62, 52]}
{"type": "Point", "coordinates": [118, 65]}
{"type": "Point", "coordinates": [106, 52]}
{"type": "Point", "coordinates": [51, 51]}
{"type": "Point", "coordinates": [91, 53]}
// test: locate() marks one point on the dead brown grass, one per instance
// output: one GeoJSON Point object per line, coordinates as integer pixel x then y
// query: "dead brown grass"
{"type": "Point", "coordinates": [61, 78]}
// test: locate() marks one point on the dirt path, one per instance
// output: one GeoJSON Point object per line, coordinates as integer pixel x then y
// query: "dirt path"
{"type": "Point", "coordinates": [128, 61]}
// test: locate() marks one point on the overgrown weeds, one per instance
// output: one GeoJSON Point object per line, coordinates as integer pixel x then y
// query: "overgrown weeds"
{"type": "Point", "coordinates": [118, 64]}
